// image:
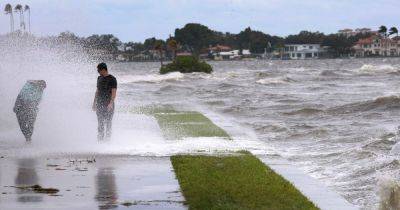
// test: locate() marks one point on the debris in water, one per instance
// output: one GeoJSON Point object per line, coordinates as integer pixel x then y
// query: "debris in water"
{"type": "Point", "coordinates": [38, 189]}
{"type": "Point", "coordinates": [81, 169]}
{"type": "Point", "coordinates": [92, 160]}
{"type": "Point", "coordinates": [52, 165]}
{"type": "Point", "coordinates": [61, 169]}
{"type": "Point", "coordinates": [127, 204]}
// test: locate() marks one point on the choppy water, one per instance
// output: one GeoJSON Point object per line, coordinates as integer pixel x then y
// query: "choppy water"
{"type": "Point", "coordinates": [336, 119]}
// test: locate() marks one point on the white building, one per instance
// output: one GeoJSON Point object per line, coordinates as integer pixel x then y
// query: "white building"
{"type": "Point", "coordinates": [302, 51]}
{"type": "Point", "coordinates": [350, 32]}
{"type": "Point", "coordinates": [231, 55]}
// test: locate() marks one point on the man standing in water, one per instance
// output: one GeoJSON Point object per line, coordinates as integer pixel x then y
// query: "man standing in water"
{"type": "Point", "coordinates": [26, 105]}
{"type": "Point", "coordinates": [104, 99]}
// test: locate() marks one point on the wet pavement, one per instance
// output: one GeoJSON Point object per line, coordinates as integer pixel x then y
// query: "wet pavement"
{"type": "Point", "coordinates": [110, 182]}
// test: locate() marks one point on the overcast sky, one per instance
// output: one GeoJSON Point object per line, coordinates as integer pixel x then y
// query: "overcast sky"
{"type": "Point", "coordinates": [136, 20]}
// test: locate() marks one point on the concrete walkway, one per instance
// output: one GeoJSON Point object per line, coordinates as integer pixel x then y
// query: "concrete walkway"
{"type": "Point", "coordinates": [316, 191]}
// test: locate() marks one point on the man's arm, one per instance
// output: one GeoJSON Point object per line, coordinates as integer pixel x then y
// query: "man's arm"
{"type": "Point", "coordinates": [94, 101]}
{"type": "Point", "coordinates": [113, 95]}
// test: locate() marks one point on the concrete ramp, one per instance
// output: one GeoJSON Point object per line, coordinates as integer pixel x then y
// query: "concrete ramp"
{"type": "Point", "coordinates": [316, 191]}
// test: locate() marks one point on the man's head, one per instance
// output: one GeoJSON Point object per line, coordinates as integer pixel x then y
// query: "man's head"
{"type": "Point", "coordinates": [102, 69]}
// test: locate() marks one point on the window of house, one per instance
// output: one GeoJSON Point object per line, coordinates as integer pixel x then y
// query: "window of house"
{"type": "Point", "coordinates": [299, 55]}
{"type": "Point", "coordinates": [310, 47]}
{"type": "Point", "coordinates": [308, 55]}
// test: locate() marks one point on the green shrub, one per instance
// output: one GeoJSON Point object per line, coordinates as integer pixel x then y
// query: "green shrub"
{"type": "Point", "coordinates": [186, 64]}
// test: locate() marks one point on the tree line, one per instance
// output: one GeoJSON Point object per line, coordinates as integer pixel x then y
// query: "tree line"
{"type": "Point", "coordinates": [197, 38]}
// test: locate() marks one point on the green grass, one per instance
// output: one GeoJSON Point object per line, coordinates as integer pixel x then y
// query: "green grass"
{"type": "Point", "coordinates": [235, 182]}
{"type": "Point", "coordinates": [239, 181]}
{"type": "Point", "coordinates": [177, 125]}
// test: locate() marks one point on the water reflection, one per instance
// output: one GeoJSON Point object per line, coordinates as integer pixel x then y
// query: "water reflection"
{"type": "Point", "coordinates": [27, 176]}
{"type": "Point", "coordinates": [106, 193]}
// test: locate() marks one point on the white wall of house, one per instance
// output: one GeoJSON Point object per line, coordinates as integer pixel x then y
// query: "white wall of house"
{"type": "Point", "coordinates": [303, 51]}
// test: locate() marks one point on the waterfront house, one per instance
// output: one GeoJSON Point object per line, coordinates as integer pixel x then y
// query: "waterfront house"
{"type": "Point", "coordinates": [350, 32]}
{"type": "Point", "coordinates": [377, 46]}
{"type": "Point", "coordinates": [346, 32]}
{"type": "Point", "coordinates": [219, 48]}
{"type": "Point", "coordinates": [302, 51]}
{"type": "Point", "coordinates": [229, 55]}
{"type": "Point", "coordinates": [184, 53]}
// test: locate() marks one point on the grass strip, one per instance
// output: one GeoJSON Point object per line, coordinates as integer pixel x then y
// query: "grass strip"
{"type": "Point", "coordinates": [239, 181]}
{"type": "Point", "coordinates": [235, 182]}
{"type": "Point", "coordinates": [177, 125]}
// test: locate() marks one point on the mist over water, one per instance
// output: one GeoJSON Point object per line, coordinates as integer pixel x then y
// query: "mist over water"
{"type": "Point", "coordinates": [335, 119]}
{"type": "Point", "coordinates": [66, 125]}
{"type": "Point", "coordinates": [64, 115]}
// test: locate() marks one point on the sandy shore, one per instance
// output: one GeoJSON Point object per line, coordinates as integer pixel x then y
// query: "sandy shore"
{"type": "Point", "coordinates": [107, 182]}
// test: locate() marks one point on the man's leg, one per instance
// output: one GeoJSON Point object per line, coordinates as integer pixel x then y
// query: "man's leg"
{"type": "Point", "coordinates": [100, 126]}
{"type": "Point", "coordinates": [109, 117]}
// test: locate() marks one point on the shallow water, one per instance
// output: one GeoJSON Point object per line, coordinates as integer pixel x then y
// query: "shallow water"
{"type": "Point", "coordinates": [335, 119]}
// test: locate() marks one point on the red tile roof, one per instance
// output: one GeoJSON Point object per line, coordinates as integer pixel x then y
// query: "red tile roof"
{"type": "Point", "coordinates": [220, 48]}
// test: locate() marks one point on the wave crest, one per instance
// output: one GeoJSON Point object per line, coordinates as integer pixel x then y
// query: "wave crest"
{"type": "Point", "coordinates": [305, 111]}
{"type": "Point", "coordinates": [373, 69]}
{"type": "Point", "coordinates": [151, 78]}
{"type": "Point", "coordinates": [389, 193]}
{"type": "Point", "coordinates": [275, 81]}
{"type": "Point", "coordinates": [382, 103]}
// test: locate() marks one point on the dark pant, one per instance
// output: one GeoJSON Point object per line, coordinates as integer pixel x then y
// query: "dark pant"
{"type": "Point", "coordinates": [104, 118]}
{"type": "Point", "coordinates": [26, 120]}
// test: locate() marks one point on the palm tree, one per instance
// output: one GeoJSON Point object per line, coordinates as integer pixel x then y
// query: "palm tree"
{"type": "Point", "coordinates": [159, 47]}
{"type": "Point", "coordinates": [393, 30]}
{"type": "Point", "coordinates": [383, 31]}
{"type": "Point", "coordinates": [20, 10]}
{"type": "Point", "coordinates": [173, 46]}
{"type": "Point", "coordinates": [28, 9]}
{"type": "Point", "coordinates": [9, 11]}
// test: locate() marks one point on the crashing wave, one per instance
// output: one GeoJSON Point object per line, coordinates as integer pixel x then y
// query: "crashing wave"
{"type": "Point", "coordinates": [369, 68]}
{"type": "Point", "coordinates": [151, 78]}
{"type": "Point", "coordinates": [389, 193]}
{"type": "Point", "coordinates": [381, 103]}
{"type": "Point", "coordinates": [274, 81]}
